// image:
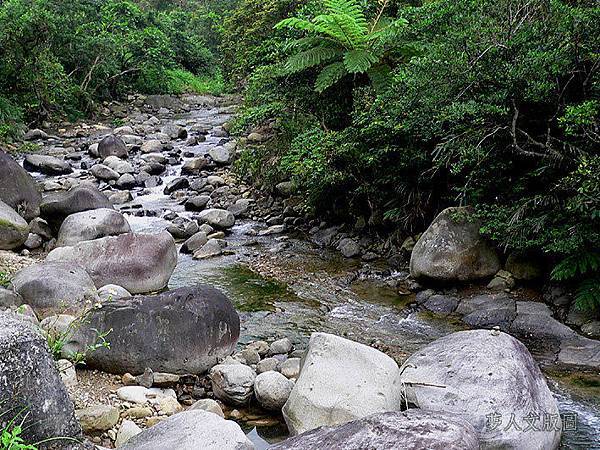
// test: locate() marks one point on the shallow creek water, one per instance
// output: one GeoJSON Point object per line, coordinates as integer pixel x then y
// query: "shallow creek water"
{"type": "Point", "coordinates": [318, 295]}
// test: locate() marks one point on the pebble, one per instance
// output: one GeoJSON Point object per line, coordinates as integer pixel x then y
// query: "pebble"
{"type": "Point", "coordinates": [134, 394]}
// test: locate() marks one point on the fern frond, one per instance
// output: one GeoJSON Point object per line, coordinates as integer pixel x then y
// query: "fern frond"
{"type": "Point", "coordinates": [381, 77]}
{"type": "Point", "coordinates": [350, 8]}
{"type": "Point", "coordinates": [310, 58]}
{"type": "Point", "coordinates": [308, 42]}
{"type": "Point", "coordinates": [587, 296]}
{"type": "Point", "coordinates": [295, 23]}
{"type": "Point", "coordinates": [359, 61]}
{"type": "Point", "coordinates": [342, 28]}
{"type": "Point", "coordinates": [330, 75]}
{"type": "Point", "coordinates": [580, 264]}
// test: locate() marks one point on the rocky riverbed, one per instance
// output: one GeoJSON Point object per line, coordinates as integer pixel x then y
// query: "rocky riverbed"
{"type": "Point", "coordinates": [133, 215]}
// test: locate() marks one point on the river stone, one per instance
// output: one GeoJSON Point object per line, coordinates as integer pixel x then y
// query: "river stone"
{"type": "Point", "coordinates": [414, 429]}
{"type": "Point", "coordinates": [104, 173]}
{"type": "Point", "coordinates": [484, 373]}
{"type": "Point", "coordinates": [349, 247]}
{"type": "Point", "coordinates": [112, 146]}
{"type": "Point", "coordinates": [138, 262]}
{"type": "Point", "coordinates": [194, 243]}
{"type": "Point", "coordinates": [9, 298]}
{"type": "Point", "coordinates": [126, 181]}
{"type": "Point", "coordinates": [220, 155]}
{"type": "Point", "coordinates": [127, 430]}
{"type": "Point", "coordinates": [197, 203]}
{"type": "Point", "coordinates": [176, 185]}
{"type": "Point", "coordinates": [97, 418]}
{"type": "Point", "coordinates": [46, 164]}
{"type": "Point", "coordinates": [181, 331]}
{"type": "Point", "coordinates": [53, 287]}
{"type": "Point", "coordinates": [290, 368]}
{"type": "Point", "coordinates": [112, 292]}
{"type": "Point", "coordinates": [14, 230]}
{"type": "Point", "coordinates": [17, 188]}
{"type": "Point", "coordinates": [272, 390]}
{"type": "Point", "coordinates": [193, 166]}
{"type": "Point", "coordinates": [267, 364]}
{"type": "Point", "coordinates": [31, 387]}
{"type": "Point", "coordinates": [192, 430]}
{"type": "Point", "coordinates": [217, 218]}
{"type": "Point", "coordinates": [92, 224]}
{"type": "Point", "coordinates": [233, 383]}
{"type": "Point", "coordinates": [133, 394]}
{"type": "Point", "coordinates": [340, 381]}
{"type": "Point", "coordinates": [174, 131]}
{"type": "Point", "coordinates": [280, 346]}
{"type": "Point", "coordinates": [212, 248]}
{"type": "Point", "coordinates": [57, 206]}
{"type": "Point", "coordinates": [452, 249]}
{"type": "Point", "coordinates": [208, 404]}
{"type": "Point", "coordinates": [152, 146]}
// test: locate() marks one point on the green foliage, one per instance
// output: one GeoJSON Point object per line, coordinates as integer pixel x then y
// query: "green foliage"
{"type": "Point", "coordinates": [10, 439]}
{"type": "Point", "coordinates": [342, 40]}
{"type": "Point", "coordinates": [181, 81]}
{"type": "Point", "coordinates": [4, 279]}
{"type": "Point", "coordinates": [583, 268]}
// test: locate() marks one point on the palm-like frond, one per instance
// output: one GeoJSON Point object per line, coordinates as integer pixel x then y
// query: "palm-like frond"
{"type": "Point", "coordinates": [296, 23]}
{"type": "Point", "coordinates": [381, 77]}
{"type": "Point", "coordinates": [330, 75]}
{"type": "Point", "coordinates": [350, 8]}
{"type": "Point", "coordinates": [310, 58]}
{"type": "Point", "coordinates": [359, 61]}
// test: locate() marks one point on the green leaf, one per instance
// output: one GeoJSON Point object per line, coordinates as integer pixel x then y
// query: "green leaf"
{"type": "Point", "coordinates": [359, 61]}
{"type": "Point", "coordinates": [381, 77]}
{"type": "Point", "coordinates": [329, 76]}
{"type": "Point", "coordinates": [310, 58]}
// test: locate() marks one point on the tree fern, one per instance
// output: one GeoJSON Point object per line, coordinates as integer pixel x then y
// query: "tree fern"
{"type": "Point", "coordinates": [342, 40]}
{"type": "Point", "coordinates": [583, 267]}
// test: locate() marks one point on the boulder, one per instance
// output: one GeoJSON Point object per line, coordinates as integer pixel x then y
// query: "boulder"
{"type": "Point", "coordinates": [217, 218]}
{"type": "Point", "coordinates": [31, 388]}
{"type": "Point", "coordinates": [112, 292]}
{"type": "Point", "coordinates": [197, 203]}
{"type": "Point", "coordinates": [174, 131]}
{"type": "Point", "coordinates": [208, 404]}
{"type": "Point", "coordinates": [57, 206]}
{"type": "Point", "coordinates": [349, 247]}
{"type": "Point", "coordinates": [9, 298]}
{"type": "Point", "coordinates": [46, 164]}
{"type": "Point", "coordinates": [452, 249]}
{"type": "Point", "coordinates": [340, 381]}
{"type": "Point", "coordinates": [112, 145]}
{"type": "Point", "coordinates": [127, 430]}
{"type": "Point", "coordinates": [191, 430]}
{"type": "Point", "coordinates": [193, 166]}
{"type": "Point", "coordinates": [194, 243]}
{"type": "Point", "coordinates": [14, 230]}
{"type": "Point", "coordinates": [18, 189]}
{"type": "Point", "coordinates": [176, 185]}
{"type": "Point", "coordinates": [181, 331]}
{"type": "Point", "coordinates": [92, 224]}
{"type": "Point", "coordinates": [220, 155]}
{"type": "Point", "coordinates": [104, 173]}
{"type": "Point", "coordinates": [138, 262]}
{"type": "Point", "coordinates": [488, 378]}
{"type": "Point", "coordinates": [152, 146]}
{"type": "Point", "coordinates": [233, 383]}
{"type": "Point", "coordinates": [272, 390]}
{"type": "Point", "coordinates": [410, 430]}
{"type": "Point", "coordinates": [97, 418]}
{"type": "Point", "coordinates": [55, 288]}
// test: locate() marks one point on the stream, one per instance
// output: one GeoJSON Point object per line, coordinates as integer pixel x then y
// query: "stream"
{"type": "Point", "coordinates": [318, 290]}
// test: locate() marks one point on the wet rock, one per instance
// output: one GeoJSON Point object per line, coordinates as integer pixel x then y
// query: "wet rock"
{"type": "Point", "coordinates": [105, 173]}
{"type": "Point", "coordinates": [132, 140]}
{"type": "Point", "coordinates": [30, 385]}
{"type": "Point", "coordinates": [112, 292]}
{"type": "Point", "coordinates": [233, 383]}
{"type": "Point", "coordinates": [181, 331]}
{"type": "Point", "coordinates": [280, 346]}
{"type": "Point", "coordinates": [483, 373]}
{"type": "Point", "coordinates": [579, 352]}
{"type": "Point", "coordinates": [192, 430]}
{"type": "Point", "coordinates": [349, 248]}
{"type": "Point", "coordinates": [441, 304]}
{"type": "Point", "coordinates": [194, 166]}
{"type": "Point", "coordinates": [138, 262]}
{"type": "Point", "coordinates": [240, 207]}
{"type": "Point", "coordinates": [152, 146]}
{"type": "Point", "coordinates": [97, 418]}
{"type": "Point", "coordinates": [217, 218]}
{"type": "Point", "coordinates": [272, 390]}
{"type": "Point", "coordinates": [290, 368]}
{"type": "Point", "coordinates": [57, 206]}
{"type": "Point", "coordinates": [127, 430]}
{"type": "Point", "coordinates": [17, 188]}
{"type": "Point", "coordinates": [118, 165]}
{"type": "Point", "coordinates": [591, 329]}
{"type": "Point", "coordinates": [452, 249]}
{"type": "Point", "coordinates": [112, 146]}
{"type": "Point", "coordinates": [534, 321]}
{"type": "Point", "coordinates": [92, 224]}
{"type": "Point", "coordinates": [209, 405]}
{"type": "Point", "coordinates": [267, 364]}
{"type": "Point", "coordinates": [49, 165]}
{"type": "Point", "coordinates": [9, 298]}
{"type": "Point", "coordinates": [55, 288]}
{"type": "Point", "coordinates": [14, 230]}
{"type": "Point", "coordinates": [119, 198]}
{"type": "Point", "coordinates": [174, 131]}
{"type": "Point", "coordinates": [340, 381]}
{"type": "Point", "coordinates": [220, 155]}
{"type": "Point", "coordinates": [176, 185]}
{"type": "Point", "coordinates": [194, 243]}
{"type": "Point", "coordinates": [126, 181]}
{"type": "Point", "coordinates": [197, 203]}
{"type": "Point", "coordinates": [414, 429]}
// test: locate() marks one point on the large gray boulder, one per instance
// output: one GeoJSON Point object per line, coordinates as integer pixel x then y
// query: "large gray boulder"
{"type": "Point", "coordinates": [92, 224]}
{"type": "Point", "coordinates": [191, 430]}
{"type": "Point", "coordinates": [181, 331]}
{"type": "Point", "coordinates": [57, 206]}
{"type": "Point", "coordinates": [31, 387]}
{"type": "Point", "coordinates": [410, 430]}
{"type": "Point", "coordinates": [112, 145]}
{"type": "Point", "coordinates": [18, 189]}
{"type": "Point", "coordinates": [138, 262]}
{"type": "Point", "coordinates": [55, 288]}
{"type": "Point", "coordinates": [13, 228]}
{"type": "Point", "coordinates": [488, 378]}
{"type": "Point", "coordinates": [217, 218]}
{"type": "Point", "coordinates": [341, 380]}
{"type": "Point", "coordinates": [452, 249]}
{"type": "Point", "coordinates": [272, 390]}
{"type": "Point", "coordinates": [46, 164]}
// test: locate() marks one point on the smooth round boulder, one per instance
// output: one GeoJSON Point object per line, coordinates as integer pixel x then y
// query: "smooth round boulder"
{"type": "Point", "coordinates": [119, 165]}
{"type": "Point", "coordinates": [138, 262]}
{"type": "Point", "coordinates": [197, 241]}
{"type": "Point", "coordinates": [112, 145]}
{"type": "Point", "coordinates": [55, 288]}
{"type": "Point", "coordinates": [46, 164]}
{"type": "Point", "coordinates": [18, 189]}
{"type": "Point", "coordinates": [104, 173]}
{"type": "Point", "coordinates": [14, 230]}
{"type": "Point", "coordinates": [30, 386]}
{"type": "Point", "coordinates": [410, 430]}
{"type": "Point", "coordinates": [488, 378]}
{"type": "Point", "coordinates": [217, 218]}
{"type": "Point", "coordinates": [272, 390]}
{"type": "Point", "coordinates": [233, 383]}
{"type": "Point", "coordinates": [191, 430]}
{"type": "Point", "coordinates": [57, 206]}
{"type": "Point", "coordinates": [112, 292]}
{"type": "Point", "coordinates": [92, 224]}
{"type": "Point", "coordinates": [183, 331]}
{"type": "Point", "coordinates": [452, 249]}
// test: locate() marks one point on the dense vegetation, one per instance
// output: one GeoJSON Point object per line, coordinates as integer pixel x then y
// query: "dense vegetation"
{"type": "Point", "coordinates": [379, 111]}
{"type": "Point", "coordinates": [491, 104]}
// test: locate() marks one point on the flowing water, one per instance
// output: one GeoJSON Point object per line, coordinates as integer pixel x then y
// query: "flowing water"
{"type": "Point", "coordinates": [322, 293]}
